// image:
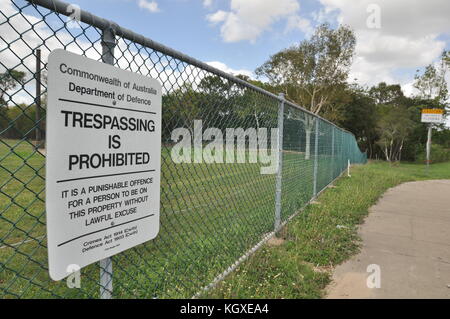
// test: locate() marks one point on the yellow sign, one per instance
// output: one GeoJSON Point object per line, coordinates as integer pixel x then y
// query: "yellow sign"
{"type": "Point", "coordinates": [432, 111]}
{"type": "Point", "coordinates": [432, 116]}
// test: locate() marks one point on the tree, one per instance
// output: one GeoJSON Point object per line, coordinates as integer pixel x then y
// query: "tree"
{"type": "Point", "coordinates": [432, 87]}
{"type": "Point", "coordinates": [432, 84]}
{"type": "Point", "coordinates": [359, 116]}
{"type": "Point", "coordinates": [248, 105]}
{"type": "Point", "coordinates": [209, 101]}
{"type": "Point", "coordinates": [335, 111]}
{"type": "Point", "coordinates": [387, 93]}
{"type": "Point", "coordinates": [311, 72]}
{"type": "Point", "coordinates": [394, 126]}
{"type": "Point", "coordinates": [8, 81]}
{"type": "Point", "coordinates": [442, 137]}
{"type": "Point", "coordinates": [215, 86]}
{"type": "Point", "coordinates": [181, 108]}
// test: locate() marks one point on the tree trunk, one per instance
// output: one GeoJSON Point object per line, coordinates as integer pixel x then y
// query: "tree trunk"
{"type": "Point", "coordinates": [257, 121]}
{"type": "Point", "coordinates": [386, 153]}
{"type": "Point", "coordinates": [308, 144]}
{"type": "Point", "coordinates": [309, 128]}
{"type": "Point", "coordinates": [400, 151]}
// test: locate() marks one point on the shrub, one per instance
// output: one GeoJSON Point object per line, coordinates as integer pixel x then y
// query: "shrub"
{"type": "Point", "coordinates": [439, 154]}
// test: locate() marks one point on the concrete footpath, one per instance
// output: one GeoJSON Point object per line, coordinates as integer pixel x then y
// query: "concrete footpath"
{"type": "Point", "coordinates": [407, 234]}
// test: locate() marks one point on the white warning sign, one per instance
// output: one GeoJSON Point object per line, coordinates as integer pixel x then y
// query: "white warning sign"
{"type": "Point", "coordinates": [432, 116]}
{"type": "Point", "coordinates": [103, 161]}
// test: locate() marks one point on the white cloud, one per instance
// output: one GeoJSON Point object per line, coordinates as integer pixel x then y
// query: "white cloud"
{"type": "Point", "coordinates": [18, 53]}
{"type": "Point", "coordinates": [399, 17]}
{"type": "Point", "coordinates": [223, 67]}
{"type": "Point", "coordinates": [407, 37]}
{"type": "Point", "coordinates": [248, 19]}
{"type": "Point", "coordinates": [207, 3]}
{"type": "Point", "coordinates": [151, 6]}
{"type": "Point", "coordinates": [409, 89]}
{"type": "Point", "coordinates": [297, 22]}
{"type": "Point", "coordinates": [218, 16]}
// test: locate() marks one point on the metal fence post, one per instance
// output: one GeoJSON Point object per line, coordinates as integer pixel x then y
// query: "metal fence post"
{"type": "Point", "coordinates": [106, 271]}
{"type": "Point", "coordinates": [344, 156]}
{"type": "Point", "coordinates": [38, 98]}
{"type": "Point", "coordinates": [429, 135]}
{"type": "Point", "coordinates": [332, 153]}
{"type": "Point", "coordinates": [316, 153]}
{"type": "Point", "coordinates": [280, 163]}
{"type": "Point", "coordinates": [348, 169]}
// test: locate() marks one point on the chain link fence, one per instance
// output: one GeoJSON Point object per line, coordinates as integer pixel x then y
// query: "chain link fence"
{"type": "Point", "coordinates": [212, 215]}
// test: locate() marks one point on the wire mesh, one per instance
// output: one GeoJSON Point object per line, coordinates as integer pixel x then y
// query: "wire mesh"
{"type": "Point", "coordinates": [211, 214]}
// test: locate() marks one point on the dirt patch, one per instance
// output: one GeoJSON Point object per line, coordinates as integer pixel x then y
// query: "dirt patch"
{"type": "Point", "coordinates": [275, 241]}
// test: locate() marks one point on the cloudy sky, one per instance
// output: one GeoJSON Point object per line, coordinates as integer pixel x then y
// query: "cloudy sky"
{"type": "Point", "coordinates": [237, 36]}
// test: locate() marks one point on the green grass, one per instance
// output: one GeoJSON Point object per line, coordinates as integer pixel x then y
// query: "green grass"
{"type": "Point", "coordinates": [210, 215]}
{"type": "Point", "coordinates": [301, 266]}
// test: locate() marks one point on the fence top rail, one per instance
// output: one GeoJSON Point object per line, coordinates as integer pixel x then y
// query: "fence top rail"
{"type": "Point", "coordinates": [104, 24]}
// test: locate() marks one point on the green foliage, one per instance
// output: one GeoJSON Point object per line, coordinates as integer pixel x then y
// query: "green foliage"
{"type": "Point", "coordinates": [310, 73]}
{"type": "Point", "coordinates": [387, 124]}
{"type": "Point", "coordinates": [387, 94]}
{"type": "Point", "coordinates": [393, 129]}
{"type": "Point", "coordinates": [19, 121]}
{"type": "Point", "coordinates": [359, 116]}
{"type": "Point", "coordinates": [442, 137]}
{"type": "Point", "coordinates": [219, 103]}
{"type": "Point", "coordinates": [394, 125]}
{"type": "Point", "coordinates": [8, 81]}
{"type": "Point", "coordinates": [439, 154]}
{"type": "Point", "coordinates": [14, 122]}
{"type": "Point", "coordinates": [432, 83]}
